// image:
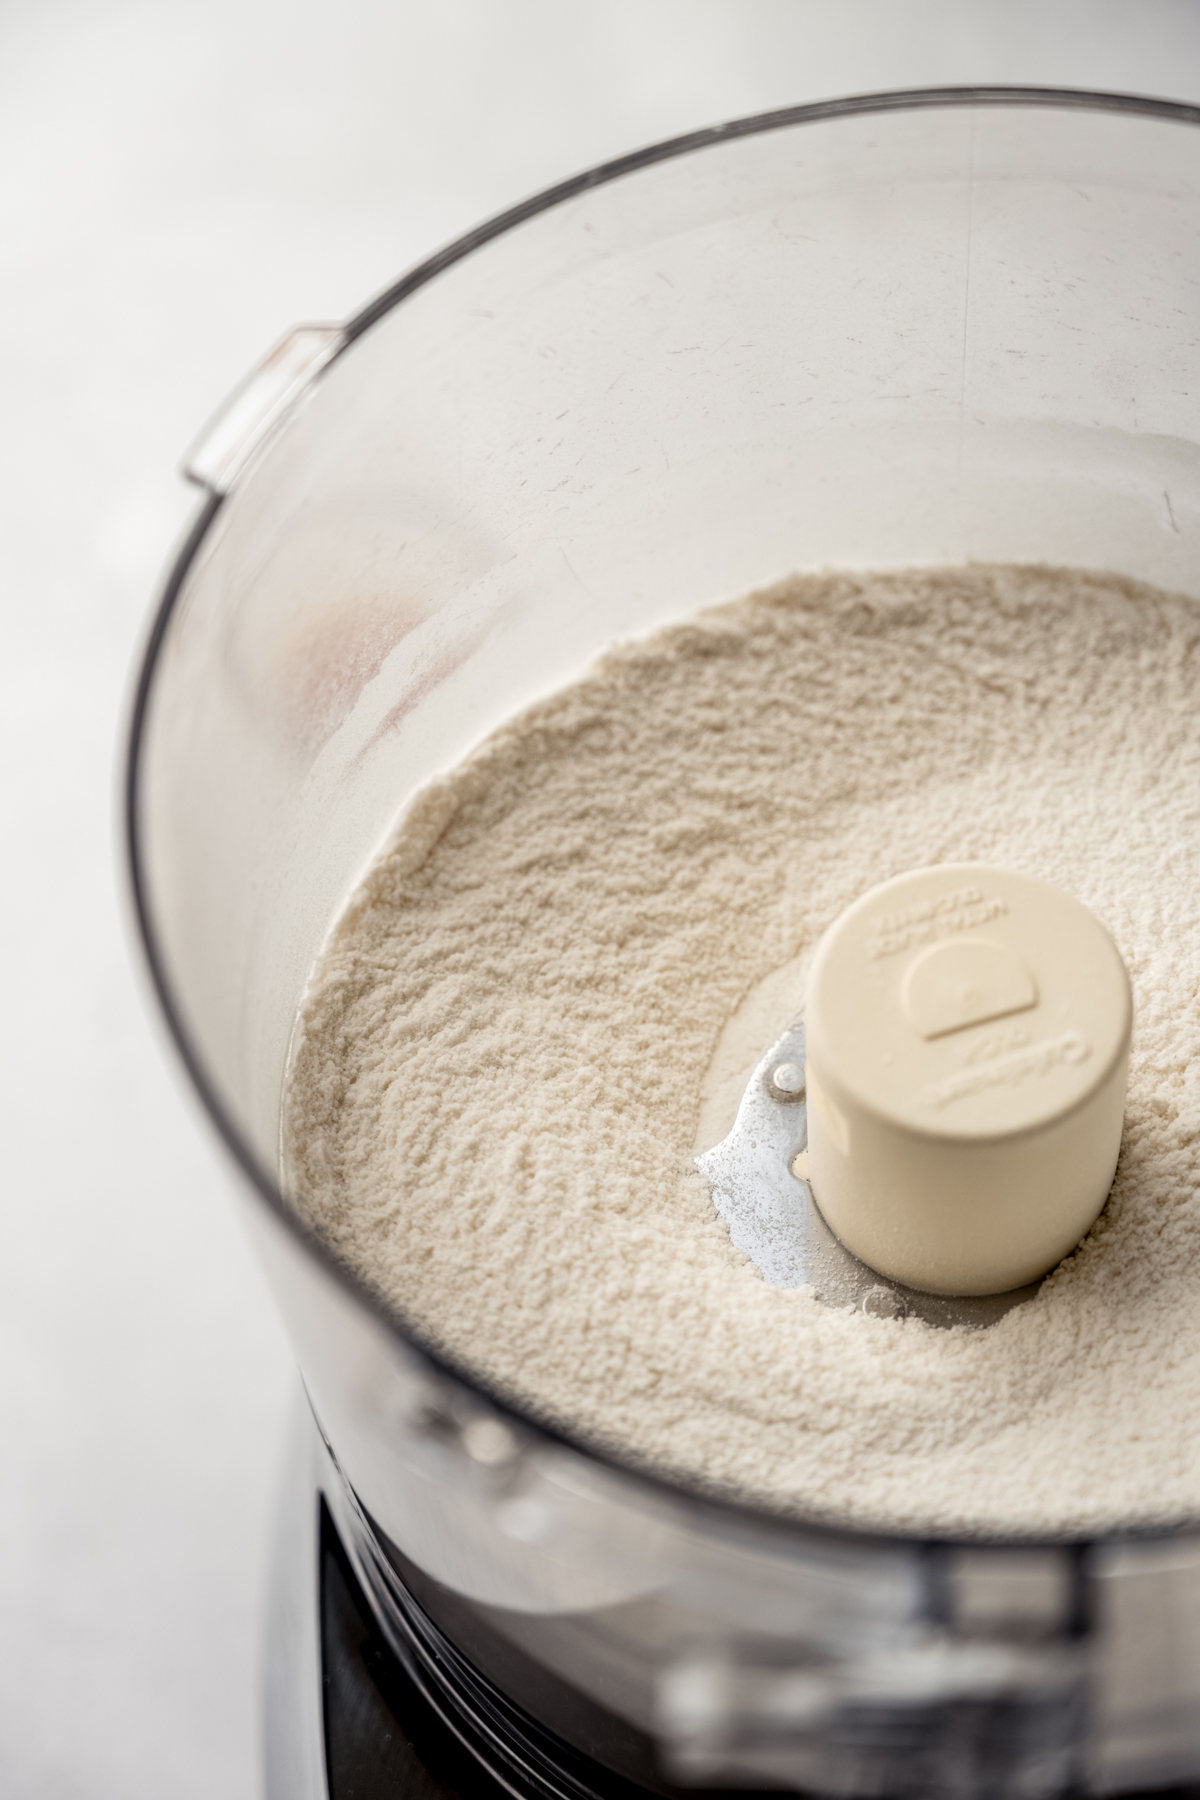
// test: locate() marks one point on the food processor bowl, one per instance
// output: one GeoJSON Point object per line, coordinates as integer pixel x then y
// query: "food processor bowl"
{"type": "Point", "coordinates": [913, 329]}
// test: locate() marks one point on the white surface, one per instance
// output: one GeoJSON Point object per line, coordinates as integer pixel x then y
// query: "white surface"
{"type": "Point", "coordinates": [179, 182]}
{"type": "Point", "coordinates": [968, 1043]}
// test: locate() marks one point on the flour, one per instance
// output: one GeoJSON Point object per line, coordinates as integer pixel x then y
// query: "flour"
{"type": "Point", "coordinates": [547, 995]}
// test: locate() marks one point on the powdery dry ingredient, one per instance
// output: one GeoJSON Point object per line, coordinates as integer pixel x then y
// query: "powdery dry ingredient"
{"type": "Point", "coordinates": [493, 1100]}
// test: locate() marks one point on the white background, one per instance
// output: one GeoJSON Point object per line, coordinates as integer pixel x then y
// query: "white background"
{"type": "Point", "coordinates": [180, 181]}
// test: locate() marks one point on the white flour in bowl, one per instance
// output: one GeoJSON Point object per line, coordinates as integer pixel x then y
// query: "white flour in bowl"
{"type": "Point", "coordinates": [548, 992]}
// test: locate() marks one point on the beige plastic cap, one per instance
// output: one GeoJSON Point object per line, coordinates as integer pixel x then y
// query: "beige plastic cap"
{"type": "Point", "coordinates": [968, 1044]}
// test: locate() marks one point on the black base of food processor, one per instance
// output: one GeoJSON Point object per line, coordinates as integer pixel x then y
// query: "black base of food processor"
{"type": "Point", "coordinates": [382, 1737]}
{"type": "Point", "coordinates": [353, 1716]}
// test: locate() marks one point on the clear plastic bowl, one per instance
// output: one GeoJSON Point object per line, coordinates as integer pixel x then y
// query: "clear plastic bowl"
{"type": "Point", "coordinates": [907, 329]}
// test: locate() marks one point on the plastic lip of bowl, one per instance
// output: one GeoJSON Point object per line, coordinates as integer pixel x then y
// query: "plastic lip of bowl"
{"type": "Point", "coordinates": [260, 1180]}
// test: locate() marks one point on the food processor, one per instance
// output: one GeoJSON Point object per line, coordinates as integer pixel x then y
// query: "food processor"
{"type": "Point", "coordinates": [907, 329]}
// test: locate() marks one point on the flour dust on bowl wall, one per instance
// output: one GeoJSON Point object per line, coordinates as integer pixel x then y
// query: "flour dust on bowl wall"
{"type": "Point", "coordinates": [664, 811]}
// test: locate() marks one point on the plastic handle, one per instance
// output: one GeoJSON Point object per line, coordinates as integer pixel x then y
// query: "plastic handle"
{"type": "Point", "coordinates": [257, 406]}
